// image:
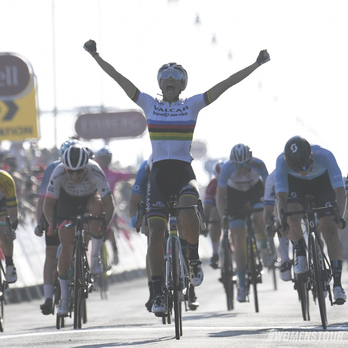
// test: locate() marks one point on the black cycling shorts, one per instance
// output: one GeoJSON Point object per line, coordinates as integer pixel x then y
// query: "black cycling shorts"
{"type": "Point", "coordinates": [236, 200]}
{"type": "Point", "coordinates": [170, 177]}
{"type": "Point", "coordinates": [72, 205]}
{"type": "Point", "coordinates": [320, 188]}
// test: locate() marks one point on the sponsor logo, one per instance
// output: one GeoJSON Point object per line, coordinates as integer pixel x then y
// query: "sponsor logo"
{"type": "Point", "coordinates": [293, 148]}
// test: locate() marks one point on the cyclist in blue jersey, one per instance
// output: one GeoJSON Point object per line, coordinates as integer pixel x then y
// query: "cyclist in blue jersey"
{"type": "Point", "coordinates": [309, 169]}
{"type": "Point", "coordinates": [171, 123]}
{"type": "Point", "coordinates": [52, 241]}
{"type": "Point", "coordinates": [241, 183]}
{"type": "Point", "coordinates": [270, 212]}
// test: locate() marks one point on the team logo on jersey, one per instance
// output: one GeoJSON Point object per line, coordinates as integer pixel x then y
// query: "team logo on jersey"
{"type": "Point", "coordinates": [293, 147]}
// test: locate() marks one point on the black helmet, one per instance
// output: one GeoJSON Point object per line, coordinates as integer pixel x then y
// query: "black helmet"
{"type": "Point", "coordinates": [297, 153]}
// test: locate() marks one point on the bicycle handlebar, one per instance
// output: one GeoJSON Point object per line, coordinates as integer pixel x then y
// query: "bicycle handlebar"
{"type": "Point", "coordinates": [334, 209]}
{"type": "Point", "coordinates": [171, 209]}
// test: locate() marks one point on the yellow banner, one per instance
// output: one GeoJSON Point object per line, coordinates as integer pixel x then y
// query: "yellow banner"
{"type": "Point", "coordinates": [18, 118]}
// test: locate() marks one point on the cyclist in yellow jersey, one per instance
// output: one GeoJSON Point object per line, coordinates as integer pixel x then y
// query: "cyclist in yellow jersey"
{"type": "Point", "coordinates": [8, 206]}
{"type": "Point", "coordinates": [171, 123]}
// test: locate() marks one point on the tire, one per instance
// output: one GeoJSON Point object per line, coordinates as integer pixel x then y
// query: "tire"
{"type": "Point", "coordinates": [78, 286]}
{"type": "Point", "coordinates": [176, 290]}
{"type": "Point", "coordinates": [227, 273]}
{"type": "Point", "coordinates": [273, 253]}
{"type": "Point", "coordinates": [2, 299]}
{"type": "Point", "coordinates": [318, 265]}
{"type": "Point", "coordinates": [303, 295]}
{"type": "Point", "coordinates": [253, 272]}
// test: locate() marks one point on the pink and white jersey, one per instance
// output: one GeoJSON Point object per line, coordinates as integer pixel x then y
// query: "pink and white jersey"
{"type": "Point", "coordinates": [114, 176]}
{"type": "Point", "coordinates": [94, 180]}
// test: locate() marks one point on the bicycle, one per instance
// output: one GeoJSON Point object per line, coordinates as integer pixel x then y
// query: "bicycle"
{"type": "Point", "coordinates": [79, 277]}
{"type": "Point", "coordinates": [253, 266]}
{"type": "Point", "coordinates": [228, 276]}
{"type": "Point", "coordinates": [176, 279]}
{"type": "Point", "coordinates": [319, 274]}
{"type": "Point", "coordinates": [3, 284]}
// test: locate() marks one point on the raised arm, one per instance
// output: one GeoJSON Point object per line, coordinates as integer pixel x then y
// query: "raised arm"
{"type": "Point", "coordinates": [91, 47]}
{"type": "Point", "coordinates": [223, 86]}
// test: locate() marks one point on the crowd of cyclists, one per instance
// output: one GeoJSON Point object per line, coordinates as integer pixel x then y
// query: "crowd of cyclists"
{"type": "Point", "coordinates": [76, 181]}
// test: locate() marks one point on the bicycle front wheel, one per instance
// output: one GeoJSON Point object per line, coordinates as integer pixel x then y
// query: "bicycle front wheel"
{"type": "Point", "coordinates": [227, 273]}
{"type": "Point", "coordinates": [318, 265]}
{"type": "Point", "coordinates": [303, 295]}
{"type": "Point", "coordinates": [78, 286]}
{"type": "Point", "coordinates": [176, 289]}
{"type": "Point", "coordinates": [252, 271]}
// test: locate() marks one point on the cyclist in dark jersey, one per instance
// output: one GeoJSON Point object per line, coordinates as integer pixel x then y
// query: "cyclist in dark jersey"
{"type": "Point", "coordinates": [171, 122]}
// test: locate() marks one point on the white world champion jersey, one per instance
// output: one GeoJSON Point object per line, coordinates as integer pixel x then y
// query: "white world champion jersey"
{"type": "Point", "coordinates": [94, 180]}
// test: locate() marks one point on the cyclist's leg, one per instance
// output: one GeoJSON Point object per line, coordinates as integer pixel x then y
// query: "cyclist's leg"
{"type": "Point", "coordinates": [52, 243]}
{"type": "Point", "coordinates": [215, 235]}
{"type": "Point", "coordinates": [96, 208]}
{"type": "Point", "coordinates": [189, 229]}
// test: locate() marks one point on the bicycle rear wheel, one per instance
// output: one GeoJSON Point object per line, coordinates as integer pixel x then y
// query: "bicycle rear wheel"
{"type": "Point", "coordinates": [176, 289]}
{"type": "Point", "coordinates": [318, 265]}
{"type": "Point", "coordinates": [2, 300]}
{"type": "Point", "coordinates": [253, 274]}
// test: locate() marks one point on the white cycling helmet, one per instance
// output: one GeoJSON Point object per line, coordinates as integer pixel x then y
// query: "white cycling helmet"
{"type": "Point", "coordinates": [174, 70]}
{"type": "Point", "coordinates": [66, 145]}
{"type": "Point", "coordinates": [240, 153]}
{"type": "Point", "coordinates": [104, 151]}
{"type": "Point", "coordinates": [75, 157]}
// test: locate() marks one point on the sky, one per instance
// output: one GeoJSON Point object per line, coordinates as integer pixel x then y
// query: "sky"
{"type": "Point", "coordinates": [301, 91]}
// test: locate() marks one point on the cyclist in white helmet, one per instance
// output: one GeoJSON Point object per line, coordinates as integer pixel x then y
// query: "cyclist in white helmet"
{"type": "Point", "coordinates": [75, 183]}
{"type": "Point", "coordinates": [171, 123]}
{"type": "Point", "coordinates": [52, 241]}
{"type": "Point", "coordinates": [241, 183]}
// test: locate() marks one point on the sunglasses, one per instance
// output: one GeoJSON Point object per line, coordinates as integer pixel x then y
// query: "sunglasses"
{"type": "Point", "coordinates": [242, 165]}
{"type": "Point", "coordinates": [71, 172]}
{"type": "Point", "coordinates": [175, 74]}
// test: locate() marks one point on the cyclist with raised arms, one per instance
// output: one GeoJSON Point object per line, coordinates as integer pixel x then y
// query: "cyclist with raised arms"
{"type": "Point", "coordinates": [212, 215]}
{"type": "Point", "coordinates": [8, 207]}
{"type": "Point", "coordinates": [51, 240]}
{"type": "Point", "coordinates": [77, 185]}
{"type": "Point", "coordinates": [171, 122]}
{"type": "Point", "coordinates": [304, 169]}
{"type": "Point", "coordinates": [241, 182]}
{"type": "Point", "coordinates": [269, 213]}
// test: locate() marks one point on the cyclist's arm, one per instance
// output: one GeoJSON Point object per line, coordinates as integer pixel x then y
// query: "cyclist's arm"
{"type": "Point", "coordinates": [135, 198]}
{"type": "Point", "coordinates": [13, 214]}
{"type": "Point", "coordinates": [223, 86]}
{"type": "Point", "coordinates": [268, 213]}
{"type": "Point", "coordinates": [341, 200]}
{"type": "Point", "coordinates": [39, 209]}
{"type": "Point", "coordinates": [221, 200]}
{"type": "Point", "coordinates": [282, 199]}
{"type": "Point", "coordinates": [109, 208]}
{"type": "Point", "coordinates": [124, 83]}
{"type": "Point", "coordinates": [48, 208]}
